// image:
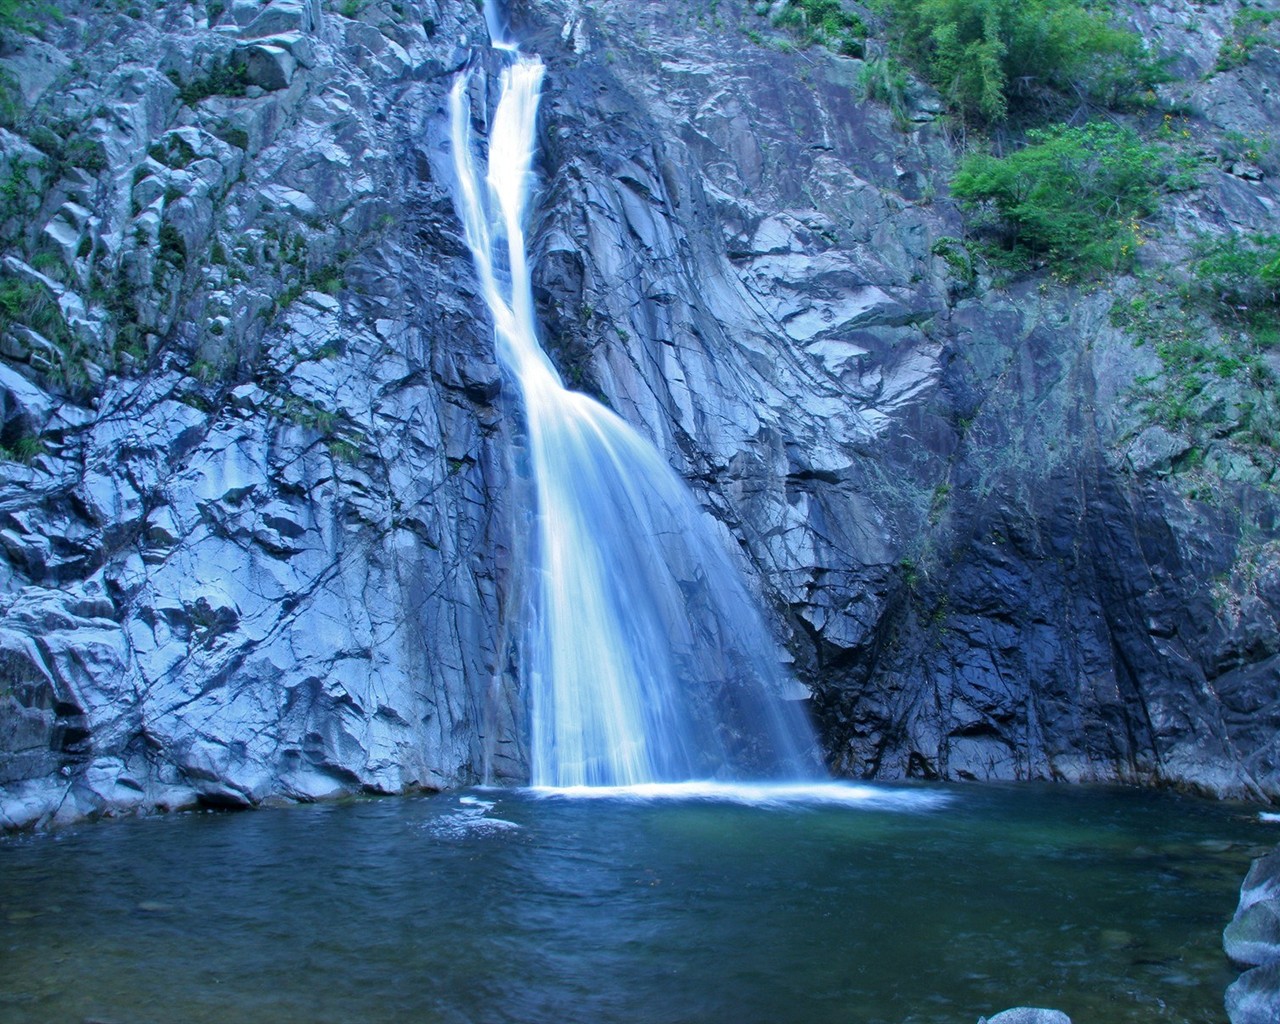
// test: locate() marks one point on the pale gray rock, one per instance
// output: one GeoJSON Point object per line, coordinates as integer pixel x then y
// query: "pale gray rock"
{"type": "Point", "coordinates": [1155, 449]}
{"type": "Point", "coordinates": [1253, 936]}
{"type": "Point", "coordinates": [1254, 997]}
{"type": "Point", "coordinates": [1026, 1015]}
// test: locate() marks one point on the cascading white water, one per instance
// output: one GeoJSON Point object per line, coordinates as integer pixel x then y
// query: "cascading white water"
{"type": "Point", "coordinates": [644, 659]}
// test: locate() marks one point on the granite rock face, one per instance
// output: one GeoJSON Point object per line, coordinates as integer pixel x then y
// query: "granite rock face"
{"type": "Point", "coordinates": [265, 555]}
{"type": "Point", "coordinates": [260, 534]}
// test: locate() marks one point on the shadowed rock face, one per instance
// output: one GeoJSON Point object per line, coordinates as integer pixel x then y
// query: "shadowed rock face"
{"type": "Point", "coordinates": [271, 546]}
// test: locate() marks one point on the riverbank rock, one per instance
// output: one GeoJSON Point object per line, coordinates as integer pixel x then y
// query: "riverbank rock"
{"type": "Point", "coordinates": [1253, 936]}
{"type": "Point", "coordinates": [1252, 939]}
{"type": "Point", "coordinates": [1254, 997]}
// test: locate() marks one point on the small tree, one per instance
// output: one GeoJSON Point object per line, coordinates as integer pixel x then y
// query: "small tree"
{"type": "Point", "coordinates": [988, 56]}
{"type": "Point", "coordinates": [1072, 195]}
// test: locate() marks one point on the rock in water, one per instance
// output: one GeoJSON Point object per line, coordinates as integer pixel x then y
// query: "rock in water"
{"type": "Point", "coordinates": [1254, 997]}
{"type": "Point", "coordinates": [1027, 1015]}
{"type": "Point", "coordinates": [1252, 939]}
{"type": "Point", "coordinates": [1253, 936]}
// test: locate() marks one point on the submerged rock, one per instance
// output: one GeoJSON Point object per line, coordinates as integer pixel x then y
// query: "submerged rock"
{"type": "Point", "coordinates": [1026, 1015]}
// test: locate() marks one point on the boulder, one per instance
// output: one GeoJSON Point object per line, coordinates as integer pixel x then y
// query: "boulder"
{"type": "Point", "coordinates": [1027, 1015]}
{"type": "Point", "coordinates": [1253, 936]}
{"type": "Point", "coordinates": [24, 408]}
{"type": "Point", "coordinates": [280, 16]}
{"type": "Point", "coordinates": [1254, 997]}
{"type": "Point", "coordinates": [269, 67]}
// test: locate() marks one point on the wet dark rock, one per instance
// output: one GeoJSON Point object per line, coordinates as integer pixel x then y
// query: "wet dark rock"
{"type": "Point", "coordinates": [1252, 940]}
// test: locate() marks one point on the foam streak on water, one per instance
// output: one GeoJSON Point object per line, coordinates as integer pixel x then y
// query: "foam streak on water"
{"type": "Point", "coordinates": [765, 794]}
{"type": "Point", "coordinates": [643, 657]}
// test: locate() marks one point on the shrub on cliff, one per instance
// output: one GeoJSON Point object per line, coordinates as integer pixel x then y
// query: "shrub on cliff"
{"type": "Point", "coordinates": [1241, 271]}
{"type": "Point", "coordinates": [1073, 195]}
{"type": "Point", "coordinates": [825, 23]}
{"type": "Point", "coordinates": [22, 15]}
{"type": "Point", "coordinates": [988, 56]}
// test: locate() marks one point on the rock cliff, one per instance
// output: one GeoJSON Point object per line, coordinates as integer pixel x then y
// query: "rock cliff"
{"type": "Point", "coordinates": [261, 523]}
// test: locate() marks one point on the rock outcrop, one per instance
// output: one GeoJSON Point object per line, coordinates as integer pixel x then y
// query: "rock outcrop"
{"type": "Point", "coordinates": [260, 551]}
{"type": "Point", "coordinates": [260, 531]}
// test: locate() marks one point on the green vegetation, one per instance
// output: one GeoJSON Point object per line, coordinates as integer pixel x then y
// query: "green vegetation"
{"type": "Point", "coordinates": [884, 79]}
{"type": "Point", "coordinates": [344, 451]}
{"type": "Point", "coordinates": [1250, 28]}
{"type": "Point", "coordinates": [1072, 196]}
{"type": "Point", "coordinates": [1215, 385]}
{"type": "Point", "coordinates": [28, 303]}
{"type": "Point", "coordinates": [25, 449]}
{"type": "Point", "coordinates": [11, 105]}
{"type": "Point", "coordinates": [172, 151]}
{"type": "Point", "coordinates": [173, 249]}
{"type": "Point", "coordinates": [226, 78]}
{"type": "Point", "coordinates": [232, 135]}
{"type": "Point", "coordinates": [19, 194]}
{"type": "Point", "coordinates": [67, 144]}
{"type": "Point", "coordinates": [303, 412]}
{"type": "Point", "coordinates": [990, 57]}
{"type": "Point", "coordinates": [1241, 273]}
{"type": "Point", "coordinates": [23, 15]}
{"type": "Point", "coordinates": [824, 23]}
{"type": "Point", "coordinates": [953, 252]}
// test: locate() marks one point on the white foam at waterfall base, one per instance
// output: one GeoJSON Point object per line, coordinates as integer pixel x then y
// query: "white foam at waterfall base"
{"type": "Point", "coordinates": [787, 795]}
{"type": "Point", "coordinates": [470, 819]}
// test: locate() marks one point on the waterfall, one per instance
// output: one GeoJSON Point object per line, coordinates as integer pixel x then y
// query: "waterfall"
{"type": "Point", "coordinates": [643, 658]}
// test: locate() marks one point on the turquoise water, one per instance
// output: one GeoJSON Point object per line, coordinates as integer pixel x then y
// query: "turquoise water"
{"type": "Point", "coordinates": [922, 904]}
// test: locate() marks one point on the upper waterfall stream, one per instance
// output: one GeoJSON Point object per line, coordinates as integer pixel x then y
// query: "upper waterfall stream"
{"type": "Point", "coordinates": [643, 656]}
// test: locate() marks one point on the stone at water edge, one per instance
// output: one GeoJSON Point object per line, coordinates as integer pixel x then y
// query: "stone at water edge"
{"type": "Point", "coordinates": [1253, 936]}
{"type": "Point", "coordinates": [1263, 880]}
{"type": "Point", "coordinates": [1027, 1015]}
{"type": "Point", "coordinates": [1254, 997]}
